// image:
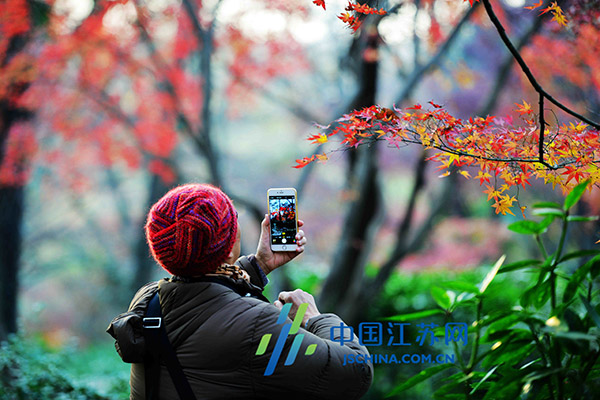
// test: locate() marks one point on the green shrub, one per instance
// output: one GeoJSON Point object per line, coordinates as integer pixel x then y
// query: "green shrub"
{"type": "Point", "coordinates": [543, 344]}
{"type": "Point", "coordinates": [29, 371]}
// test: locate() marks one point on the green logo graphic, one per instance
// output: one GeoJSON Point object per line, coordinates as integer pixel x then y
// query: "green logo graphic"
{"type": "Point", "coordinates": [288, 329]}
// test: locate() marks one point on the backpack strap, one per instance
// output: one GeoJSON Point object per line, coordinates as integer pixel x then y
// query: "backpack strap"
{"type": "Point", "coordinates": [160, 348]}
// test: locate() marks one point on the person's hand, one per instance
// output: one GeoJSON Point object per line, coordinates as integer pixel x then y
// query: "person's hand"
{"type": "Point", "coordinates": [298, 297]}
{"type": "Point", "coordinates": [267, 259]}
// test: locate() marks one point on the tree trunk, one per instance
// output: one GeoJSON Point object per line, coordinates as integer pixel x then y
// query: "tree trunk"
{"type": "Point", "coordinates": [11, 212]}
{"type": "Point", "coordinates": [11, 198]}
{"type": "Point", "coordinates": [348, 262]}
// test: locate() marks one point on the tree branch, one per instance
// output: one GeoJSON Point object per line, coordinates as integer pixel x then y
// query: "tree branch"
{"type": "Point", "coordinates": [417, 76]}
{"type": "Point", "coordinates": [525, 68]}
{"type": "Point", "coordinates": [505, 69]}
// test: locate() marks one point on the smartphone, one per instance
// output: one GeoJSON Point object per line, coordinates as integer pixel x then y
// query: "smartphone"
{"type": "Point", "coordinates": [283, 218]}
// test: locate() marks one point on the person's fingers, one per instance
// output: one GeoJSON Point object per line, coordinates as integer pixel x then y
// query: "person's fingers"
{"type": "Point", "coordinates": [284, 297]}
{"type": "Point", "coordinates": [278, 304]}
{"type": "Point", "coordinates": [300, 223]}
{"type": "Point", "coordinates": [301, 240]}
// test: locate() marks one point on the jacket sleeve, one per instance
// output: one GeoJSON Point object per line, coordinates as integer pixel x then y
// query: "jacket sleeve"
{"type": "Point", "coordinates": [328, 364]}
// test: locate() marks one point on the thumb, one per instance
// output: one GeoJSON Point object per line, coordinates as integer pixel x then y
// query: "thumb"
{"type": "Point", "coordinates": [278, 304]}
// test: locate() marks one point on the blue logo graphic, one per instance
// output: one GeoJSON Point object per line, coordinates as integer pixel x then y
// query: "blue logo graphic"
{"type": "Point", "coordinates": [287, 329]}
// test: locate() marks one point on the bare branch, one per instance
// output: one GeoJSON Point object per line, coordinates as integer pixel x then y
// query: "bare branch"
{"type": "Point", "coordinates": [417, 75]}
{"type": "Point", "coordinates": [525, 68]}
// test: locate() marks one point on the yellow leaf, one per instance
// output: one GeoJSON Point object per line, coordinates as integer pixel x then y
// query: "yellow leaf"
{"type": "Point", "coordinates": [322, 139]}
{"type": "Point", "coordinates": [322, 157]}
{"type": "Point", "coordinates": [453, 158]}
{"type": "Point", "coordinates": [504, 204]}
{"type": "Point", "coordinates": [465, 174]}
{"type": "Point", "coordinates": [491, 192]}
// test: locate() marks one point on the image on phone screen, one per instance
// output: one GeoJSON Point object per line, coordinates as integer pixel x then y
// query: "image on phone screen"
{"type": "Point", "coordinates": [282, 211]}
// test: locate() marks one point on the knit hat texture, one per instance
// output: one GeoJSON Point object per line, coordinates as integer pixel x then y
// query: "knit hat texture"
{"type": "Point", "coordinates": [192, 229]}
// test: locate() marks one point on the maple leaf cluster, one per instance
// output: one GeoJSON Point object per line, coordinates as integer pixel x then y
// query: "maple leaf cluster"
{"type": "Point", "coordinates": [354, 12]}
{"type": "Point", "coordinates": [359, 10]}
{"type": "Point", "coordinates": [505, 155]}
{"type": "Point", "coordinates": [557, 12]}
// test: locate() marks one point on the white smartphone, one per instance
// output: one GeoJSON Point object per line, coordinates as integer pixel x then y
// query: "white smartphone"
{"type": "Point", "coordinates": [283, 218]}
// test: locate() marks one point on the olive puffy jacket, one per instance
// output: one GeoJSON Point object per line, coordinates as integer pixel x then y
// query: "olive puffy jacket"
{"type": "Point", "coordinates": [216, 332]}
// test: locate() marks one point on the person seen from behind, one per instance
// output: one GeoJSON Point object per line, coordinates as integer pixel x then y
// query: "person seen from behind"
{"type": "Point", "coordinates": [216, 316]}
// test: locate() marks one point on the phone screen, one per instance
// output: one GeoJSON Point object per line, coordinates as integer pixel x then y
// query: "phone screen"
{"type": "Point", "coordinates": [282, 211]}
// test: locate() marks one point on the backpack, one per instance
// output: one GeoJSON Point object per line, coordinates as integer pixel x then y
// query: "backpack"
{"type": "Point", "coordinates": [127, 328]}
{"type": "Point", "coordinates": [141, 337]}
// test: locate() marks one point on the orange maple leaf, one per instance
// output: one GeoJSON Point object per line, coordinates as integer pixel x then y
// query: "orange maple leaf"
{"type": "Point", "coordinates": [504, 204]}
{"type": "Point", "coordinates": [524, 109]}
{"type": "Point", "coordinates": [492, 193]}
{"type": "Point", "coordinates": [536, 5]}
{"type": "Point", "coordinates": [301, 163]}
{"type": "Point", "coordinates": [558, 13]}
{"type": "Point", "coordinates": [483, 177]}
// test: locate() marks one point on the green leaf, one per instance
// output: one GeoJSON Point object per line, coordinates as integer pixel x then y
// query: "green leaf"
{"type": "Point", "coordinates": [420, 377]}
{"type": "Point", "coordinates": [576, 336]}
{"type": "Point", "coordinates": [490, 372]}
{"type": "Point", "coordinates": [547, 204]}
{"type": "Point", "coordinates": [526, 227]}
{"type": "Point", "coordinates": [579, 218]}
{"type": "Point", "coordinates": [546, 222]}
{"type": "Point", "coordinates": [575, 194]}
{"type": "Point", "coordinates": [536, 295]}
{"type": "Point", "coordinates": [542, 374]}
{"type": "Point", "coordinates": [510, 353]}
{"type": "Point", "coordinates": [578, 253]}
{"type": "Point", "coordinates": [508, 388]}
{"type": "Point", "coordinates": [573, 321]}
{"type": "Point", "coordinates": [518, 265]}
{"type": "Point", "coordinates": [441, 297]}
{"type": "Point", "coordinates": [490, 275]}
{"type": "Point", "coordinates": [591, 312]}
{"type": "Point", "coordinates": [461, 286]}
{"type": "Point", "coordinates": [577, 277]}
{"type": "Point", "coordinates": [504, 324]}
{"type": "Point", "coordinates": [552, 212]}
{"type": "Point", "coordinates": [507, 335]}
{"type": "Point", "coordinates": [415, 315]}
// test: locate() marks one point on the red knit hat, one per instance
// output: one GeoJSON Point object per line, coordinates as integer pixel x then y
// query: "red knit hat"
{"type": "Point", "coordinates": [192, 229]}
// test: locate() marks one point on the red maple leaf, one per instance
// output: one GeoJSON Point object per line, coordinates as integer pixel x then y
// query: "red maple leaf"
{"type": "Point", "coordinates": [320, 3]}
